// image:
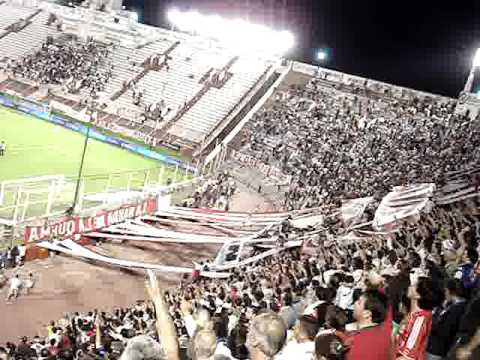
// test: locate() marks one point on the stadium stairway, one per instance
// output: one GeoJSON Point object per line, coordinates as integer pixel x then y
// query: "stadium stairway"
{"type": "Point", "coordinates": [20, 43]}
{"type": "Point", "coordinates": [144, 72]}
{"type": "Point", "coordinates": [207, 86]}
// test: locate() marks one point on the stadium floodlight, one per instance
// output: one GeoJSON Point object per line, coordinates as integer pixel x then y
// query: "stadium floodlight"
{"type": "Point", "coordinates": [476, 59]}
{"type": "Point", "coordinates": [174, 16]}
{"type": "Point", "coordinates": [237, 34]}
{"type": "Point", "coordinates": [322, 55]}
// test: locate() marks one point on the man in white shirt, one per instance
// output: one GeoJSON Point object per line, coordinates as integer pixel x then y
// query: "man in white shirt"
{"type": "Point", "coordinates": [29, 283]}
{"type": "Point", "coordinates": [15, 285]}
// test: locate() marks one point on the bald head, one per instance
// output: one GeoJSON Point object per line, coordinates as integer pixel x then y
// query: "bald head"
{"type": "Point", "coordinates": [267, 335]}
{"type": "Point", "coordinates": [204, 344]}
{"type": "Point", "coordinates": [142, 347]}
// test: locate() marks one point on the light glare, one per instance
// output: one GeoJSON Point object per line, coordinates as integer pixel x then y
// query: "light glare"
{"type": "Point", "coordinates": [237, 34]}
{"type": "Point", "coordinates": [322, 55]}
{"type": "Point", "coordinates": [476, 59]}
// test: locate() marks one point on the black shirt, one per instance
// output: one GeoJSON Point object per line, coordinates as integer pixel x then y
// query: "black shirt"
{"type": "Point", "coordinates": [444, 328]}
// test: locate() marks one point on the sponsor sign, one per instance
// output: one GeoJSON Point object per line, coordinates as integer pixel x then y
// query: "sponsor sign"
{"type": "Point", "coordinates": [67, 228]}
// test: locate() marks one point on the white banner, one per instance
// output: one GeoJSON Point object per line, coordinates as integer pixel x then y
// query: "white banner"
{"type": "Point", "coordinates": [69, 247]}
{"type": "Point", "coordinates": [402, 202]}
{"type": "Point", "coordinates": [352, 210]}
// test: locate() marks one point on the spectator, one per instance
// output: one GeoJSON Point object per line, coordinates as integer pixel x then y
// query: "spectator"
{"type": "Point", "coordinates": [424, 296]}
{"type": "Point", "coordinates": [373, 339]}
{"type": "Point", "coordinates": [266, 336]}
{"type": "Point", "coordinates": [446, 321]}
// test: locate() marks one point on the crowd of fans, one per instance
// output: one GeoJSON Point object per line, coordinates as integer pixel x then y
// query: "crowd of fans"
{"type": "Point", "coordinates": [69, 62]}
{"type": "Point", "coordinates": [336, 144]}
{"type": "Point", "coordinates": [411, 294]}
{"type": "Point", "coordinates": [214, 193]}
{"type": "Point", "coordinates": [12, 257]}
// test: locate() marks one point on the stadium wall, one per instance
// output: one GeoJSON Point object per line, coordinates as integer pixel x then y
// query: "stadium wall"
{"type": "Point", "coordinates": [338, 76]}
{"type": "Point", "coordinates": [245, 114]}
{"type": "Point", "coordinates": [42, 112]}
{"type": "Point", "coordinates": [222, 130]}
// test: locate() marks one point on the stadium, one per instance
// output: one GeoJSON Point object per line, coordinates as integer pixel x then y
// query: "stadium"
{"type": "Point", "coordinates": [192, 193]}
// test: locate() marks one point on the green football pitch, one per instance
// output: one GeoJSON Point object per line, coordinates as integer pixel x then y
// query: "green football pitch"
{"type": "Point", "coordinates": [37, 148]}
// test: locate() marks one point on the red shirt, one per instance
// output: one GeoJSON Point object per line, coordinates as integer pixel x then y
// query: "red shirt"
{"type": "Point", "coordinates": [413, 337]}
{"type": "Point", "coordinates": [372, 343]}
{"type": "Point", "coordinates": [53, 350]}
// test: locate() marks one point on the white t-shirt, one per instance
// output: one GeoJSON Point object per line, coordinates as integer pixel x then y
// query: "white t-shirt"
{"type": "Point", "coordinates": [295, 350]}
{"type": "Point", "coordinates": [15, 283]}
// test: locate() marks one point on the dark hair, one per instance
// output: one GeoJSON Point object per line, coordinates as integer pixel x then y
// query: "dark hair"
{"type": "Point", "coordinates": [392, 256]}
{"type": "Point", "coordinates": [431, 294]}
{"type": "Point", "coordinates": [472, 254]}
{"type": "Point", "coordinates": [236, 342]}
{"type": "Point", "coordinates": [322, 312]}
{"type": "Point", "coordinates": [336, 318]}
{"type": "Point", "coordinates": [377, 304]}
{"type": "Point", "coordinates": [330, 346]}
{"type": "Point", "coordinates": [357, 292]}
{"type": "Point", "coordinates": [454, 286]}
{"type": "Point", "coordinates": [414, 259]}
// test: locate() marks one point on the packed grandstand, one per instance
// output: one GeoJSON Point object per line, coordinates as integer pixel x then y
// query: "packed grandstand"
{"type": "Point", "coordinates": [370, 247]}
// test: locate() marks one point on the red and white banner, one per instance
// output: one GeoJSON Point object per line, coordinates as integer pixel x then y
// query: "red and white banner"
{"type": "Point", "coordinates": [353, 209]}
{"type": "Point", "coordinates": [72, 226]}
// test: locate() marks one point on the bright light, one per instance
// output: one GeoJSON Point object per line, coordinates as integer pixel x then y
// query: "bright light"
{"type": "Point", "coordinates": [476, 59]}
{"type": "Point", "coordinates": [134, 16]}
{"type": "Point", "coordinates": [237, 34]}
{"type": "Point", "coordinates": [322, 55]}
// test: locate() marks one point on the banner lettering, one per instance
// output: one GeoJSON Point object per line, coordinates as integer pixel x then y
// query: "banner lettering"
{"type": "Point", "coordinates": [68, 228]}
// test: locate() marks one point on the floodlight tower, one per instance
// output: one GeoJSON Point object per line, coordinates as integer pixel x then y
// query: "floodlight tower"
{"type": "Point", "coordinates": [471, 77]}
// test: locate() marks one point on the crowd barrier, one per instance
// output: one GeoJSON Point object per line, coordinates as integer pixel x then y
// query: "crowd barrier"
{"type": "Point", "coordinates": [42, 111]}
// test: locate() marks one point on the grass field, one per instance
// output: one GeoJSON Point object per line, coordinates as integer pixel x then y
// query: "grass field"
{"type": "Point", "coordinates": [38, 148]}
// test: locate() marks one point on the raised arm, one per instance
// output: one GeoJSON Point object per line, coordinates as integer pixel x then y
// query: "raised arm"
{"type": "Point", "coordinates": [165, 327]}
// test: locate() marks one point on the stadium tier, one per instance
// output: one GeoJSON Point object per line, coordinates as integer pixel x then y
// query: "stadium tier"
{"type": "Point", "coordinates": [165, 86]}
{"type": "Point", "coordinates": [325, 216]}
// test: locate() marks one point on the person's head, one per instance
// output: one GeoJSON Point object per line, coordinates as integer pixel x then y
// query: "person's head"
{"type": "Point", "coordinates": [470, 256]}
{"type": "Point", "coordinates": [204, 344]}
{"type": "Point", "coordinates": [453, 289]}
{"type": "Point", "coordinates": [266, 336]}
{"type": "Point", "coordinates": [305, 329]}
{"type": "Point", "coordinates": [336, 318]}
{"type": "Point", "coordinates": [370, 308]}
{"type": "Point", "coordinates": [426, 293]}
{"type": "Point", "coordinates": [329, 347]}
{"type": "Point", "coordinates": [142, 347]}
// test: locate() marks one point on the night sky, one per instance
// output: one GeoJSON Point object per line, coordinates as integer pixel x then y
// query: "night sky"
{"type": "Point", "coordinates": [423, 44]}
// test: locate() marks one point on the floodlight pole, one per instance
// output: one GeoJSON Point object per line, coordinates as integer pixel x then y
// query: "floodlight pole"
{"type": "Point", "coordinates": [80, 170]}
